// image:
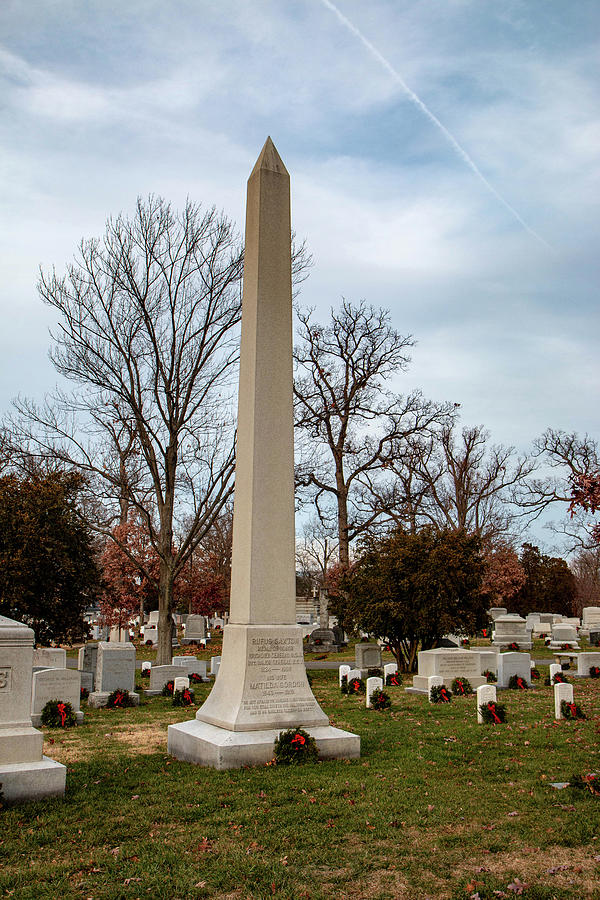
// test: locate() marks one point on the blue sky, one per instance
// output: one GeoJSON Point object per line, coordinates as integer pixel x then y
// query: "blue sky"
{"type": "Point", "coordinates": [103, 101]}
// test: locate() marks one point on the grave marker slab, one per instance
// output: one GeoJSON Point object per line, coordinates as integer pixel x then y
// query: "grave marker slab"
{"type": "Point", "coordinates": [50, 657]}
{"type": "Point", "coordinates": [510, 664]}
{"type": "Point", "coordinates": [55, 684]}
{"type": "Point", "coordinates": [343, 670]}
{"type": "Point", "coordinates": [115, 670]}
{"type": "Point", "coordinates": [562, 692]}
{"type": "Point", "coordinates": [485, 693]}
{"type": "Point", "coordinates": [585, 661]}
{"type": "Point", "coordinates": [373, 684]}
{"type": "Point", "coordinates": [449, 664]}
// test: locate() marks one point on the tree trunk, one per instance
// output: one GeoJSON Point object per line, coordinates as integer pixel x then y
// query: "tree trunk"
{"type": "Point", "coordinates": [342, 516]}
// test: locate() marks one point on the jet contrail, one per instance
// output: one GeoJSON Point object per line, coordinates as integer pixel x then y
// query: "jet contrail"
{"type": "Point", "coordinates": [432, 118]}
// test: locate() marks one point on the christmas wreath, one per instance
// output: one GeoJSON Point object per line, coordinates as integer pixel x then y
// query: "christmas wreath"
{"type": "Point", "coordinates": [535, 674]}
{"type": "Point", "coordinates": [380, 700]}
{"type": "Point", "coordinates": [566, 647]}
{"type": "Point", "coordinates": [516, 683]}
{"type": "Point", "coordinates": [393, 679]}
{"type": "Point", "coordinates": [58, 714]}
{"type": "Point", "coordinates": [571, 710]}
{"type": "Point", "coordinates": [83, 693]}
{"type": "Point", "coordinates": [490, 676]}
{"type": "Point", "coordinates": [168, 689]}
{"type": "Point", "coordinates": [344, 684]}
{"type": "Point", "coordinates": [559, 678]}
{"type": "Point", "coordinates": [590, 782]}
{"type": "Point", "coordinates": [440, 694]}
{"type": "Point", "coordinates": [119, 699]}
{"type": "Point", "coordinates": [595, 672]}
{"type": "Point", "coordinates": [461, 687]}
{"type": "Point", "coordinates": [514, 647]}
{"type": "Point", "coordinates": [183, 698]}
{"type": "Point", "coordinates": [356, 686]}
{"type": "Point", "coordinates": [493, 713]}
{"type": "Point", "coordinates": [195, 678]}
{"type": "Point", "coordinates": [295, 746]}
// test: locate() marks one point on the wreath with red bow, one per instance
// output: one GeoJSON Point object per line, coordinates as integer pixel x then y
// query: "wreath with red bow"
{"type": "Point", "coordinates": [294, 747]}
{"type": "Point", "coordinates": [493, 713]}
{"type": "Point", "coordinates": [58, 714]}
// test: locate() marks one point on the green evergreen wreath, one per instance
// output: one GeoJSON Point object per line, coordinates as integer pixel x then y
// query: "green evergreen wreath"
{"type": "Point", "coordinates": [183, 698]}
{"type": "Point", "coordinates": [571, 710]}
{"type": "Point", "coordinates": [356, 686]}
{"type": "Point", "coordinates": [461, 687]}
{"type": "Point", "coordinates": [516, 683]}
{"type": "Point", "coordinates": [493, 713]}
{"type": "Point", "coordinates": [559, 678]}
{"type": "Point", "coordinates": [119, 699]}
{"type": "Point", "coordinates": [589, 782]}
{"type": "Point", "coordinates": [58, 714]}
{"type": "Point", "coordinates": [344, 684]}
{"type": "Point", "coordinates": [535, 674]}
{"type": "Point", "coordinates": [440, 694]}
{"type": "Point", "coordinates": [393, 679]}
{"type": "Point", "coordinates": [490, 676]}
{"type": "Point", "coordinates": [168, 688]}
{"type": "Point", "coordinates": [380, 700]}
{"type": "Point", "coordinates": [595, 672]}
{"type": "Point", "coordinates": [294, 747]}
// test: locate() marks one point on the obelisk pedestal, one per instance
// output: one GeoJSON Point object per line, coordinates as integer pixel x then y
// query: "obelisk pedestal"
{"type": "Point", "coordinates": [262, 688]}
{"type": "Point", "coordinates": [25, 773]}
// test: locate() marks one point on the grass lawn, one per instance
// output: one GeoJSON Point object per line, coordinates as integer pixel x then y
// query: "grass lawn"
{"type": "Point", "coordinates": [436, 807]}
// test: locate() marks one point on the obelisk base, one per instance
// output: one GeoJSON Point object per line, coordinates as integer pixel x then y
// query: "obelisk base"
{"type": "Point", "coordinates": [206, 745]}
{"type": "Point", "coordinates": [262, 681]}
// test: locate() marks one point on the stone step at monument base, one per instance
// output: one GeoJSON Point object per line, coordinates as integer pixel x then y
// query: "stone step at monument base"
{"type": "Point", "coordinates": [100, 698]}
{"type": "Point", "coordinates": [20, 744]}
{"type": "Point", "coordinates": [420, 683]}
{"type": "Point", "coordinates": [32, 780]}
{"type": "Point", "coordinates": [208, 745]}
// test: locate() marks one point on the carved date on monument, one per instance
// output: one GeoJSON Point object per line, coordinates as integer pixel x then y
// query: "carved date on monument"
{"type": "Point", "coordinates": [5, 679]}
{"type": "Point", "coordinates": [276, 666]}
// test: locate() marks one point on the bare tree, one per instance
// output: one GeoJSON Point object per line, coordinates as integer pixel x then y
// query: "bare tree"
{"type": "Point", "coordinates": [148, 331]}
{"type": "Point", "coordinates": [349, 420]}
{"type": "Point", "coordinates": [458, 482]}
{"type": "Point", "coordinates": [573, 463]}
{"type": "Point", "coordinates": [317, 550]}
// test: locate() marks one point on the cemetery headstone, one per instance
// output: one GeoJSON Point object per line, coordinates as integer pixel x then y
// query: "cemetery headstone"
{"type": "Point", "coordinates": [367, 656]}
{"type": "Point", "coordinates": [55, 684]}
{"type": "Point", "coordinates": [115, 670]}
{"type": "Point", "coordinates": [339, 637]}
{"type": "Point", "coordinates": [321, 640]}
{"type": "Point", "coordinates": [563, 635]}
{"type": "Point", "coordinates": [562, 692]}
{"type": "Point", "coordinates": [485, 693]}
{"type": "Point", "coordinates": [181, 683]}
{"type": "Point", "coordinates": [87, 658]}
{"type": "Point", "coordinates": [215, 663]}
{"type": "Point", "coordinates": [191, 665]}
{"type": "Point", "coordinates": [195, 630]}
{"type": "Point", "coordinates": [389, 669]}
{"type": "Point", "coordinates": [511, 630]}
{"type": "Point", "coordinates": [151, 634]}
{"type": "Point", "coordinates": [153, 617]}
{"type": "Point", "coordinates": [554, 669]}
{"type": "Point", "coordinates": [50, 657]}
{"type": "Point", "coordinates": [25, 773]}
{"type": "Point", "coordinates": [510, 664]}
{"type": "Point", "coordinates": [159, 676]}
{"type": "Point", "coordinates": [449, 664]}
{"type": "Point", "coordinates": [432, 682]}
{"type": "Point", "coordinates": [373, 684]}
{"type": "Point", "coordinates": [496, 612]}
{"type": "Point", "coordinates": [343, 670]}
{"type": "Point", "coordinates": [585, 661]}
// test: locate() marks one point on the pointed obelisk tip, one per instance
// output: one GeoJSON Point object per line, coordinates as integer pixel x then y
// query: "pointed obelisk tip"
{"type": "Point", "coordinates": [270, 159]}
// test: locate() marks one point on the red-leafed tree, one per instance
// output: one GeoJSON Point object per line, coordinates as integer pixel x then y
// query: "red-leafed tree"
{"type": "Point", "coordinates": [503, 575]}
{"type": "Point", "coordinates": [130, 572]}
{"type": "Point", "coordinates": [203, 586]}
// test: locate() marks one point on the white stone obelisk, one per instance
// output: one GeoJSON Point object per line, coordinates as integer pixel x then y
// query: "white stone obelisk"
{"type": "Point", "coordinates": [262, 686]}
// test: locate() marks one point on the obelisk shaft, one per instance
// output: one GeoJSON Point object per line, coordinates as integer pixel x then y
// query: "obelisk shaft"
{"type": "Point", "coordinates": [263, 557]}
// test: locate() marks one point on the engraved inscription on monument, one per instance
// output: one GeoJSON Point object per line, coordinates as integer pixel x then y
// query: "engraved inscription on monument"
{"type": "Point", "coordinates": [272, 685]}
{"type": "Point", "coordinates": [5, 678]}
